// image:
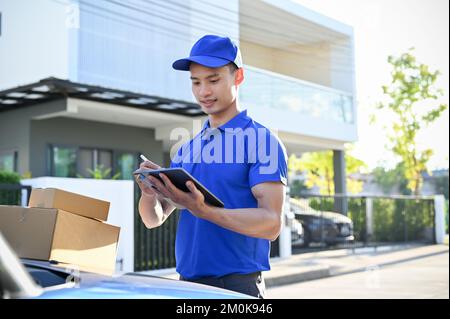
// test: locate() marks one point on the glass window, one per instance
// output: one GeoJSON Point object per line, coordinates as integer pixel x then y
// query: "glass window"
{"type": "Point", "coordinates": [94, 160]}
{"type": "Point", "coordinates": [79, 161]}
{"type": "Point", "coordinates": [64, 161]}
{"type": "Point", "coordinates": [126, 164]}
{"type": "Point", "coordinates": [8, 161]}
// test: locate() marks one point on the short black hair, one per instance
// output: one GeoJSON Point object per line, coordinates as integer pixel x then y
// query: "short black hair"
{"type": "Point", "coordinates": [233, 67]}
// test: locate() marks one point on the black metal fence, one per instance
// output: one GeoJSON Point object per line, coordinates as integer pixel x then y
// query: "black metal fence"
{"type": "Point", "coordinates": [327, 222]}
{"type": "Point", "coordinates": [155, 248]}
{"type": "Point", "coordinates": [11, 194]}
{"type": "Point", "coordinates": [356, 221]}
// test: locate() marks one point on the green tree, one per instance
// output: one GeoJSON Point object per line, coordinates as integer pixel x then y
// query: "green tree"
{"type": "Point", "coordinates": [441, 185]}
{"type": "Point", "coordinates": [388, 179]}
{"type": "Point", "coordinates": [411, 101]}
{"type": "Point", "coordinates": [320, 172]}
{"type": "Point", "coordinates": [297, 187]}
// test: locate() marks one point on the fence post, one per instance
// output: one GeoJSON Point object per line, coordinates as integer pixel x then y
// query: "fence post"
{"type": "Point", "coordinates": [439, 218]}
{"type": "Point", "coordinates": [369, 219]}
{"type": "Point", "coordinates": [284, 242]}
{"type": "Point", "coordinates": [24, 197]}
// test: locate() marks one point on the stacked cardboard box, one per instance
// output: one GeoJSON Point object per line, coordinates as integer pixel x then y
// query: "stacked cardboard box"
{"type": "Point", "coordinates": [64, 227]}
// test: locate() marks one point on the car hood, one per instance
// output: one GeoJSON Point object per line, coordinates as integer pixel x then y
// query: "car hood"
{"type": "Point", "coordinates": [328, 216]}
{"type": "Point", "coordinates": [300, 207]}
{"type": "Point", "coordinates": [94, 286]}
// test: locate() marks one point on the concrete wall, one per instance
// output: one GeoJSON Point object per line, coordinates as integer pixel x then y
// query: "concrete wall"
{"type": "Point", "coordinates": [15, 130]}
{"type": "Point", "coordinates": [20, 131]}
{"type": "Point", "coordinates": [67, 131]}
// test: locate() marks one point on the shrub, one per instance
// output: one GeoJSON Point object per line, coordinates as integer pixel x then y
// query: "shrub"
{"type": "Point", "coordinates": [7, 196]}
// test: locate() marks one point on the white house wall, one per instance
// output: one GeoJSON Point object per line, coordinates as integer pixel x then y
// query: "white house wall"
{"type": "Point", "coordinates": [132, 47]}
{"type": "Point", "coordinates": [304, 66]}
{"type": "Point", "coordinates": [213, 17]}
{"type": "Point", "coordinates": [34, 41]}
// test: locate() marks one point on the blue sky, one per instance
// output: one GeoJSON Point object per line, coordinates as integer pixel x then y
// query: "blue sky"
{"type": "Point", "coordinates": [384, 27]}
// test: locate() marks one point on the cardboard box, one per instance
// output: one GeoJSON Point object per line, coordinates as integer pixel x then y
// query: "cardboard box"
{"type": "Point", "coordinates": [70, 202]}
{"type": "Point", "coordinates": [54, 234]}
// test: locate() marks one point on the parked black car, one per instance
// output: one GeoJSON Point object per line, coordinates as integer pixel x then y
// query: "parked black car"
{"type": "Point", "coordinates": [297, 235]}
{"type": "Point", "coordinates": [325, 227]}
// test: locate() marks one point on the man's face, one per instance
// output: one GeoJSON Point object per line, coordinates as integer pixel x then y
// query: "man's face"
{"type": "Point", "coordinates": [214, 88]}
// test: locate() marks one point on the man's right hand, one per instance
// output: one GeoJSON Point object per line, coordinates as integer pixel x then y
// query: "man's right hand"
{"type": "Point", "coordinates": [154, 208]}
{"type": "Point", "coordinates": [147, 190]}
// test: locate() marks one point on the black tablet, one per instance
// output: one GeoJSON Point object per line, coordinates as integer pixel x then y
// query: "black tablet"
{"type": "Point", "coordinates": [179, 177]}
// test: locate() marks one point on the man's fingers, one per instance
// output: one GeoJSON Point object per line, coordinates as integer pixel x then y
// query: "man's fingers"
{"type": "Point", "coordinates": [139, 181]}
{"type": "Point", "coordinates": [149, 164]}
{"type": "Point", "coordinates": [160, 186]}
{"type": "Point", "coordinates": [193, 189]}
{"type": "Point", "coordinates": [172, 188]}
{"type": "Point", "coordinates": [156, 182]}
{"type": "Point", "coordinates": [158, 192]}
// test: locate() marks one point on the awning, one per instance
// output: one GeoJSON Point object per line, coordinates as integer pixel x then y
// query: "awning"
{"type": "Point", "coordinates": [53, 88]}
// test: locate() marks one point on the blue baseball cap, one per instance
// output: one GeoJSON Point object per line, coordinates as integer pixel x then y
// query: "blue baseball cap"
{"type": "Point", "coordinates": [211, 51]}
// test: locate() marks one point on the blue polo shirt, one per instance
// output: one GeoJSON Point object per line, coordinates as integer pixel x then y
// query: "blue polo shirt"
{"type": "Point", "coordinates": [229, 161]}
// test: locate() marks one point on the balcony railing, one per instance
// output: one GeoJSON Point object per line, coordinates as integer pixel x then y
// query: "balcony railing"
{"type": "Point", "coordinates": [265, 88]}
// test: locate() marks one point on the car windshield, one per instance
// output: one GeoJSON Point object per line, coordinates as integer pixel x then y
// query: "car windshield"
{"type": "Point", "coordinates": [15, 281]}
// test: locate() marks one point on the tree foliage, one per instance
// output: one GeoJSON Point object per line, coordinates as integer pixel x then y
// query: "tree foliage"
{"type": "Point", "coordinates": [320, 171]}
{"type": "Point", "coordinates": [411, 100]}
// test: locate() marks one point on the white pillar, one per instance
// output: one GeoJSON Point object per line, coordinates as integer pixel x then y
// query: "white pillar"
{"type": "Point", "coordinates": [439, 218]}
{"type": "Point", "coordinates": [285, 241]}
{"type": "Point", "coordinates": [24, 197]}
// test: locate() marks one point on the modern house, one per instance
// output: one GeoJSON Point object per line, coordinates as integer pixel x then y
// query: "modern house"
{"type": "Point", "coordinates": [86, 83]}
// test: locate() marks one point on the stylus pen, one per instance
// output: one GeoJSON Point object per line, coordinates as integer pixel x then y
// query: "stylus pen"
{"type": "Point", "coordinates": [142, 177]}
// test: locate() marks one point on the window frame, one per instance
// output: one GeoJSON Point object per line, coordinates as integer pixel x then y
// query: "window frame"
{"type": "Point", "coordinates": [15, 153]}
{"type": "Point", "coordinates": [50, 170]}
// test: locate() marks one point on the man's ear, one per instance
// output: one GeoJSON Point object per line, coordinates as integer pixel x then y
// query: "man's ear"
{"type": "Point", "coordinates": [239, 76]}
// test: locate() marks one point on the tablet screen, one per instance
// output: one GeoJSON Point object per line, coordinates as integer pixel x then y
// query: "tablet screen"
{"type": "Point", "coordinates": [179, 177]}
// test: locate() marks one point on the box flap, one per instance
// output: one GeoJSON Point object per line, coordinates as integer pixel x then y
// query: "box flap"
{"type": "Point", "coordinates": [42, 198]}
{"type": "Point", "coordinates": [70, 202]}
